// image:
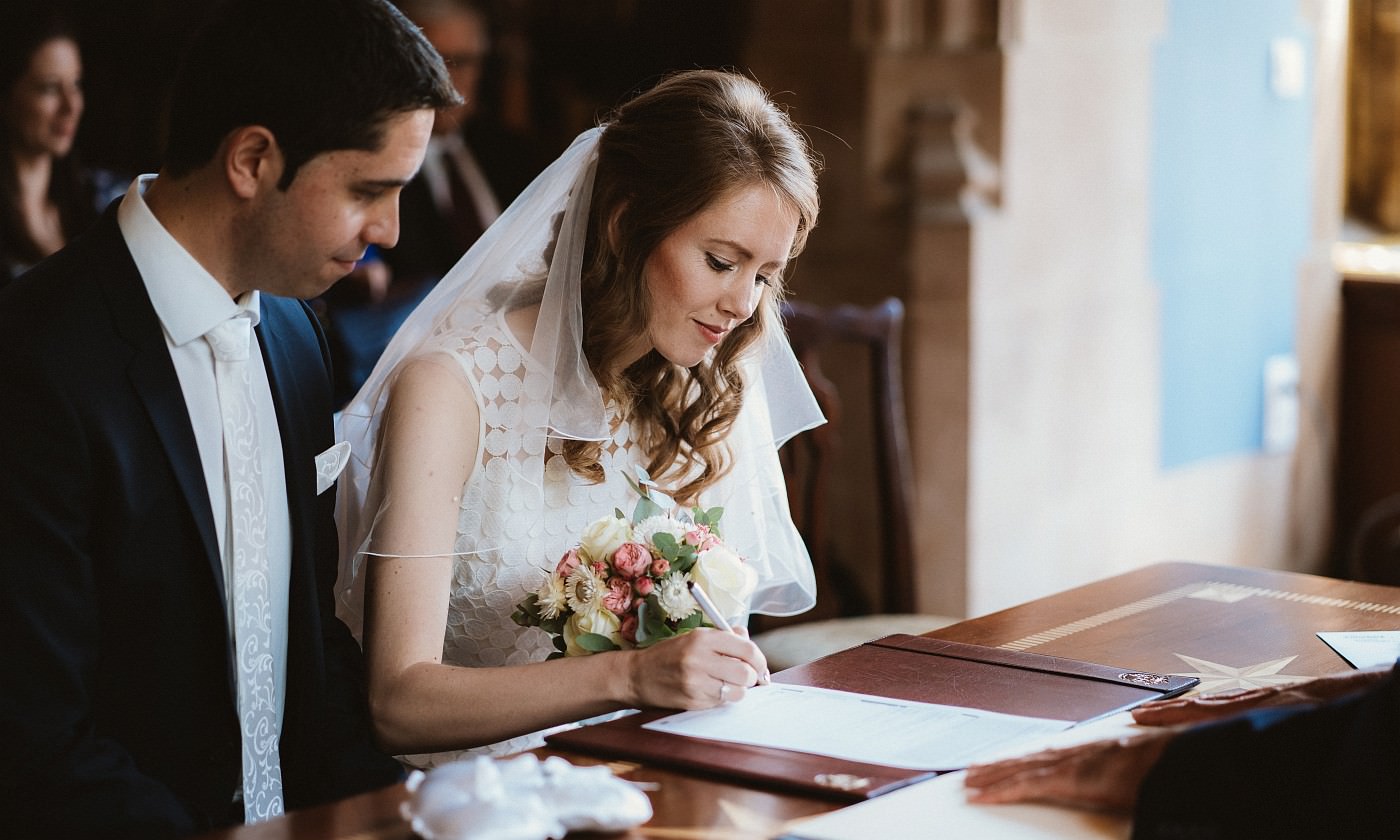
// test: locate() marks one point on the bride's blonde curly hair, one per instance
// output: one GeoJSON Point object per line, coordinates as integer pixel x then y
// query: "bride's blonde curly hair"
{"type": "Point", "coordinates": [665, 156]}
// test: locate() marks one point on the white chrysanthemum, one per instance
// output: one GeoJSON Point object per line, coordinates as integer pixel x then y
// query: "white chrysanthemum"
{"type": "Point", "coordinates": [552, 597]}
{"type": "Point", "coordinates": [674, 598]}
{"type": "Point", "coordinates": [651, 526]}
{"type": "Point", "coordinates": [584, 590]}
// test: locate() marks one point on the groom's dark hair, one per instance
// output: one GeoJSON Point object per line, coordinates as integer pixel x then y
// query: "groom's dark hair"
{"type": "Point", "coordinates": [321, 75]}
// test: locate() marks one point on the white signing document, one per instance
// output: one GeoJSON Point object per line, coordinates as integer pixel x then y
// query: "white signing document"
{"type": "Point", "coordinates": [859, 727]}
{"type": "Point", "coordinates": [1365, 648]}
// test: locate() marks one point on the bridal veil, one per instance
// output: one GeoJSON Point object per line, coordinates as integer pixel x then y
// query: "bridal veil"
{"type": "Point", "coordinates": [541, 235]}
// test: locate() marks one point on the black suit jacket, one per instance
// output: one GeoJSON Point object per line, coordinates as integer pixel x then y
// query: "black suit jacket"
{"type": "Point", "coordinates": [117, 715]}
{"type": "Point", "coordinates": [1330, 771]}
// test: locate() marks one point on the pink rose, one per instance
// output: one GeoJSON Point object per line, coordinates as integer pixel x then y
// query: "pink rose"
{"type": "Point", "coordinates": [601, 568]}
{"type": "Point", "coordinates": [619, 597]}
{"type": "Point", "coordinates": [631, 560]}
{"type": "Point", "coordinates": [644, 586]}
{"type": "Point", "coordinates": [567, 563]}
{"type": "Point", "coordinates": [701, 538]}
{"type": "Point", "coordinates": [629, 629]}
{"type": "Point", "coordinates": [660, 566]}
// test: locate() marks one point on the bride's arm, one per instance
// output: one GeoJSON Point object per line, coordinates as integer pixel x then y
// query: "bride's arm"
{"type": "Point", "coordinates": [429, 449]}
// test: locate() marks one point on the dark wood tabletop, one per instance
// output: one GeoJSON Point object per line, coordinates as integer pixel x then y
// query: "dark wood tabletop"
{"type": "Point", "coordinates": [1232, 627]}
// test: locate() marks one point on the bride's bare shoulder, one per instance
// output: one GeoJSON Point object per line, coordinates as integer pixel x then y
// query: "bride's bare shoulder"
{"type": "Point", "coordinates": [522, 323]}
{"type": "Point", "coordinates": [431, 379]}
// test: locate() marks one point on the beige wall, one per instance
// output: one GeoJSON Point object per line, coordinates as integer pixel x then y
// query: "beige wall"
{"type": "Point", "coordinates": [1061, 360]}
{"type": "Point", "coordinates": [1065, 482]}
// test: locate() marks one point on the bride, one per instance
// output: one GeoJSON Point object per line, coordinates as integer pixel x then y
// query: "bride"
{"type": "Point", "coordinates": [623, 312]}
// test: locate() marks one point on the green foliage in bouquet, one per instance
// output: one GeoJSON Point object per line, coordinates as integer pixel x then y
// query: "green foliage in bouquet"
{"type": "Point", "coordinates": [655, 621]}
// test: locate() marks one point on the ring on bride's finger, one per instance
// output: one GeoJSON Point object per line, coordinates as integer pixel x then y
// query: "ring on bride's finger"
{"type": "Point", "coordinates": [723, 691]}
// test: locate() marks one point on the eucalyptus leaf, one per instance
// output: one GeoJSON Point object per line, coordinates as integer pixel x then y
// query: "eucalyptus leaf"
{"type": "Point", "coordinates": [645, 509]}
{"type": "Point", "coordinates": [595, 642]}
{"type": "Point", "coordinates": [666, 544]}
{"type": "Point", "coordinates": [527, 612]}
{"type": "Point", "coordinates": [641, 483]}
{"type": "Point", "coordinates": [655, 618]}
{"type": "Point", "coordinates": [684, 559]}
{"type": "Point", "coordinates": [661, 637]}
{"type": "Point", "coordinates": [644, 611]}
{"type": "Point", "coordinates": [663, 632]}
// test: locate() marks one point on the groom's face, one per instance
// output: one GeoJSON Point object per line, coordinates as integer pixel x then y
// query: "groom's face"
{"type": "Point", "coordinates": [310, 235]}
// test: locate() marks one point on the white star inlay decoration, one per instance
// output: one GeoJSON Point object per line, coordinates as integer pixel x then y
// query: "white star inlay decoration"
{"type": "Point", "coordinates": [1217, 677]}
{"type": "Point", "coordinates": [1224, 593]}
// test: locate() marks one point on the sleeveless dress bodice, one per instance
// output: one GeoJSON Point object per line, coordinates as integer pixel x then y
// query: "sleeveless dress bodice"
{"type": "Point", "coordinates": [510, 535]}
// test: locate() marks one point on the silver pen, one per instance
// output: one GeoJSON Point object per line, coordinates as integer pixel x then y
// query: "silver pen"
{"type": "Point", "coordinates": [708, 607]}
{"type": "Point", "coordinates": [712, 613]}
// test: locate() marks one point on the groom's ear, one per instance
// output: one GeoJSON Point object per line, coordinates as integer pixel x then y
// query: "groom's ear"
{"type": "Point", "coordinates": [252, 160]}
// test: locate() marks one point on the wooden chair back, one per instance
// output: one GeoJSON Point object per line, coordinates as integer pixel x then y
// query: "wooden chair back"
{"type": "Point", "coordinates": [809, 460]}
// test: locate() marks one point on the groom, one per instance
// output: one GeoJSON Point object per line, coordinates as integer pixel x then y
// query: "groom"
{"type": "Point", "coordinates": [171, 658]}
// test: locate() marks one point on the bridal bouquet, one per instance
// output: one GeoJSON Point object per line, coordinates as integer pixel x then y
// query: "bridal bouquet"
{"type": "Point", "coordinates": [625, 584]}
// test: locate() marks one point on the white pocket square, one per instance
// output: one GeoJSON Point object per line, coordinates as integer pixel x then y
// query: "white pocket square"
{"type": "Point", "coordinates": [329, 465]}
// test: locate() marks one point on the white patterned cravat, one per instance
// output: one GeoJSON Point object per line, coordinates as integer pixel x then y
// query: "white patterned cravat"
{"type": "Point", "coordinates": [245, 547]}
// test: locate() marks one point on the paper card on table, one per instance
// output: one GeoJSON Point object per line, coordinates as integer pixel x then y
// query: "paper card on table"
{"type": "Point", "coordinates": [859, 727]}
{"type": "Point", "coordinates": [909, 813]}
{"type": "Point", "coordinates": [939, 808]}
{"type": "Point", "coordinates": [1365, 648]}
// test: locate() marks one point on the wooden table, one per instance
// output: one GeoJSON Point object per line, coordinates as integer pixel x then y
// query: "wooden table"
{"type": "Point", "coordinates": [1232, 627]}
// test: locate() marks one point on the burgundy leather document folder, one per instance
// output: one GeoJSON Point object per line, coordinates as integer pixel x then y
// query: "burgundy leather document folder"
{"type": "Point", "coordinates": [903, 667]}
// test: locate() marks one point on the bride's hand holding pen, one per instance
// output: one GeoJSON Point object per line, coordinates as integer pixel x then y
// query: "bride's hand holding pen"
{"type": "Point", "coordinates": [718, 620]}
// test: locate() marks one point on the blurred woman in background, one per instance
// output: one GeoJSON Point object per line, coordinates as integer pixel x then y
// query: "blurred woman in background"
{"type": "Point", "coordinates": [45, 197]}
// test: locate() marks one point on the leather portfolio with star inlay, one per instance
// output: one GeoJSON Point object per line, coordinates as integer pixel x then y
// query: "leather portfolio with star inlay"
{"type": "Point", "coordinates": [900, 667]}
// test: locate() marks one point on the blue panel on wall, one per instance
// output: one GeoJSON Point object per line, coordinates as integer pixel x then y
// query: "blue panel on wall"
{"type": "Point", "coordinates": [1230, 212]}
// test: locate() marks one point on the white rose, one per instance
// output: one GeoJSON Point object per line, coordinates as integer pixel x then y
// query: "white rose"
{"type": "Point", "coordinates": [602, 622]}
{"type": "Point", "coordinates": [727, 579]}
{"type": "Point", "coordinates": [602, 538]}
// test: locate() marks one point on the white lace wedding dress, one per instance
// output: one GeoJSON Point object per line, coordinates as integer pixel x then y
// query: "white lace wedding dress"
{"type": "Point", "coordinates": [508, 536]}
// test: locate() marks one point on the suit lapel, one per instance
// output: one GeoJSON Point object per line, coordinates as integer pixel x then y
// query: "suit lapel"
{"type": "Point", "coordinates": [285, 336]}
{"type": "Point", "coordinates": [157, 386]}
{"type": "Point", "coordinates": [293, 424]}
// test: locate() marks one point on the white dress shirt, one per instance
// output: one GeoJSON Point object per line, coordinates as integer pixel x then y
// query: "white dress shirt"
{"type": "Point", "coordinates": [189, 302]}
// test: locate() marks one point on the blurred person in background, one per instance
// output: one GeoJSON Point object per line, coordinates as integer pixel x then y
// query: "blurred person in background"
{"type": "Point", "coordinates": [475, 166]}
{"type": "Point", "coordinates": [168, 541]}
{"type": "Point", "coordinates": [46, 198]}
